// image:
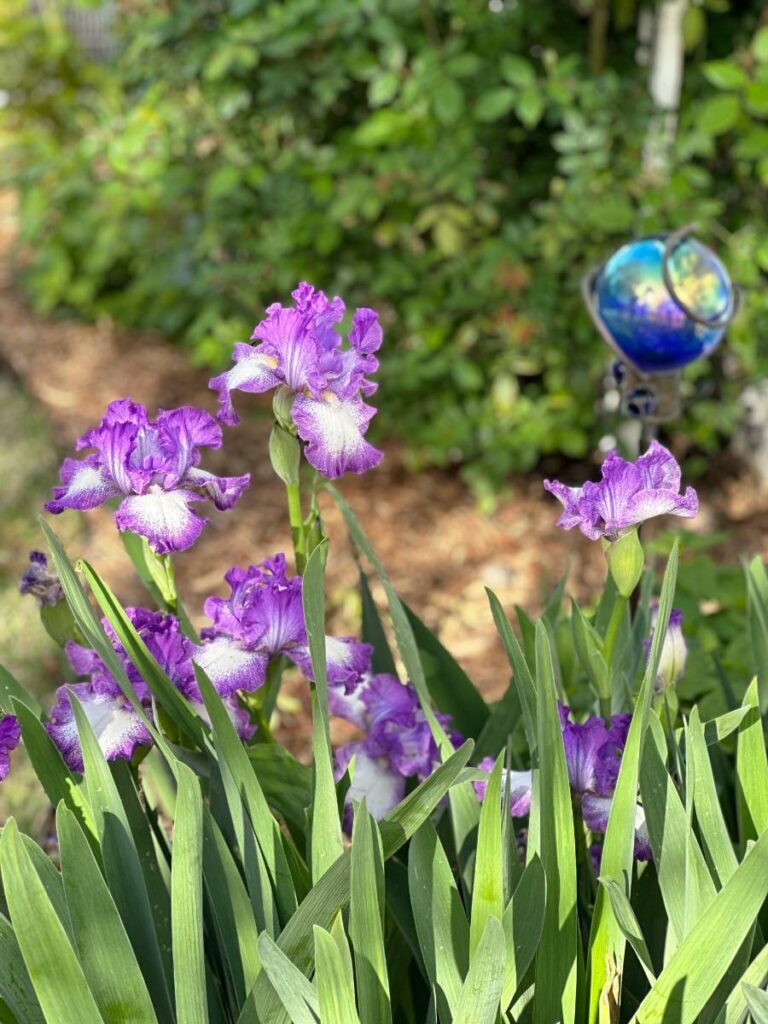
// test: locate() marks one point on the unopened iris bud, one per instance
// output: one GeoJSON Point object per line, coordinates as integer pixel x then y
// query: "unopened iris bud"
{"type": "Point", "coordinates": [282, 406]}
{"type": "Point", "coordinates": [626, 560]}
{"type": "Point", "coordinates": [674, 651]}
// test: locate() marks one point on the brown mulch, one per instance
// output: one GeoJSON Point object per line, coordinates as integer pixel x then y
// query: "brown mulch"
{"type": "Point", "coordinates": [440, 550]}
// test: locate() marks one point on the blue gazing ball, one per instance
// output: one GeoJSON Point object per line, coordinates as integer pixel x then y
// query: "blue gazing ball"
{"type": "Point", "coordinates": [650, 324]}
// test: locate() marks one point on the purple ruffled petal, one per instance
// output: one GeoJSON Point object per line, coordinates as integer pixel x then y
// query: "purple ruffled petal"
{"type": "Point", "coordinates": [333, 429]}
{"type": "Point", "coordinates": [253, 372]}
{"type": "Point", "coordinates": [231, 667]}
{"type": "Point", "coordinates": [373, 779]}
{"type": "Point", "coordinates": [628, 494]}
{"type": "Point", "coordinates": [164, 518]}
{"type": "Point", "coordinates": [288, 336]}
{"type": "Point", "coordinates": [519, 785]}
{"type": "Point", "coordinates": [596, 810]}
{"type": "Point", "coordinates": [593, 751]}
{"type": "Point", "coordinates": [10, 737]}
{"type": "Point", "coordinates": [84, 485]}
{"type": "Point", "coordinates": [118, 729]}
{"type": "Point", "coordinates": [346, 659]}
{"type": "Point", "coordinates": [223, 491]}
{"type": "Point", "coordinates": [180, 433]}
{"type": "Point", "coordinates": [349, 706]}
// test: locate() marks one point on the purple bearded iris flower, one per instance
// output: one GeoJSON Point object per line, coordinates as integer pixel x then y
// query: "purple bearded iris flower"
{"type": "Point", "coordinates": [300, 352]}
{"type": "Point", "coordinates": [10, 736]}
{"type": "Point", "coordinates": [592, 756]}
{"type": "Point", "coordinates": [398, 744]}
{"type": "Point", "coordinates": [153, 465]}
{"type": "Point", "coordinates": [117, 725]}
{"type": "Point", "coordinates": [629, 494]}
{"type": "Point", "coordinates": [40, 582]}
{"type": "Point", "coordinates": [261, 619]}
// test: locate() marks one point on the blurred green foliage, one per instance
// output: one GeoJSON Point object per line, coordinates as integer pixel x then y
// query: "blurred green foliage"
{"type": "Point", "coordinates": [457, 165]}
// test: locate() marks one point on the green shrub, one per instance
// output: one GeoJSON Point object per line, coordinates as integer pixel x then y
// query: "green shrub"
{"type": "Point", "coordinates": [454, 165]}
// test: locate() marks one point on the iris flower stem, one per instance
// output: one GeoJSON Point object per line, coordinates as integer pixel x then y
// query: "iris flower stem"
{"type": "Point", "coordinates": [298, 532]}
{"type": "Point", "coordinates": [611, 636]}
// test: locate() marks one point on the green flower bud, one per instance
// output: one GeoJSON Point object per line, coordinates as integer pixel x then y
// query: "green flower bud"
{"type": "Point", "coordinates": [626, 560]}
{"type": "Point", "coordinates": [284, 454]}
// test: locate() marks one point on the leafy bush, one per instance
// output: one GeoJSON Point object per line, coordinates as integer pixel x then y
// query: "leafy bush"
{"type": "Point", "coordinates": [600, 870]}
{"type": "Point", "coordinates": [458, 167]}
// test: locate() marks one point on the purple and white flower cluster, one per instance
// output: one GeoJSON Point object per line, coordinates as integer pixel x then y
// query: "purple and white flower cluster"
{"type": "Point", "coordinates": [118, 727]}
{"type": "Point", "coordinates": [593, 752]}
{"type": "Point", "coordinates": [397, 744]}
{"type": "Point", "coordinates": [153, 467]}
{"type": "Point", "coordinates": [300, 354]}
{"type": "Point", "coordinates": [10, 737]}
{"type": "Point", "coordinates": [628, 494]}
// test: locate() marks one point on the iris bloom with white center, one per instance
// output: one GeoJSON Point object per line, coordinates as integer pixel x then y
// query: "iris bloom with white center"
{"type": "Point", "coordinates": [10, 736]}
{"type": "Point", "coordinates": [301, 352]}
{"type": "Point", "coordinates": [628, 495]}
{"type": "Point", "coordinates": [398, 743]}
{"type": "Point", "coordinates": [118, 727]}
{"type": "Point", "coordinates": [262, 619]}
{"type": "Point", "coordinates": [153, 466]}
{"type": "Point", "coordinates": [592, 756]}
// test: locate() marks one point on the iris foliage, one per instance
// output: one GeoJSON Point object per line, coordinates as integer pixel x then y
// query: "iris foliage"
{"type": "Point", "coordinates": [586, 848]}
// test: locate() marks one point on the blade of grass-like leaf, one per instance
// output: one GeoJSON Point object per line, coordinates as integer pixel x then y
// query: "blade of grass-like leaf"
{"type": "Point", "coordinates": [703, 957]}
{"type": "Point", "coordinates": [757, 1001]}
{"type": "Point", "coordinates": [331, 893]}
{"type": "Point", "coordinates": [158, 682]}
{"type": "Point", "coordinates": [56, 975]}
{"type": "Point", "coordinates": [521, 674]}
{"type": "Point", "coordinates": [187, 901]}
{"type": "Point", "coordinates": [55, 777]}
{"type": "Point", "coordinates": [557, 966]}
{"type": "Point", "coordinates": [438, 914]}
{"type": "Point", "coordinates": [735, 1007]}
{"type": "Point", "coordinates": [230, 909]}
{"type": "Point", "coordinates": [103, 948]}
{"type": "Point", "coordinates": [757, 612]}
{"type": "Point", "coordinates": [488, 884]}
{"type": "Point", "coordinates": [716, 841]}
{"type": "Point", "coordinates": [684, 879]}
{"type": "Point", "coordinates": [451, 688]}
{"type": "Point", "coordinates": [480, 994]}
{"type": "Point", "coordinates": [297, 994]}
{"type": "Point", "coordinates": [751, 771]}
{"type": "Point", "coordinates": [235, 763]}
{"type": "Point", "coordinates": [327, 843]}
{"type": "Point", "coordinates": [366, 920]}
{"type": "Point", "coordinates": [11, 689]}
{"type": "Point", "coordinates": [16, 988]}
{"type": "Point", "coordinates": [336, 998]}
{"type": "Point", "coordinates": [339, 936]}
{"type": "Point", "coordinates": [627, 921]}
{"type": "Point", "coordinates": [287, 784]}
{"type": "Point", "coordinates": [122, 864]}
{"type": "Point", "coordinates": [502, 722]}
{"type": "Point", "coordinates": [606, 941]}
{"type": "Point", "coordinates": [523, 923]}
{"type": "Point", "coordinates": [95, 635]}
{"type": "Point", "coordinates": [404, 637]}
{"type": "Point", "coordinates": [373, 630]}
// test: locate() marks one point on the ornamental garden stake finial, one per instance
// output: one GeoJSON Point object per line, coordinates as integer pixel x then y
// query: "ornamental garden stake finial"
{"type": "Point", "coordinates": [661, 302]}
